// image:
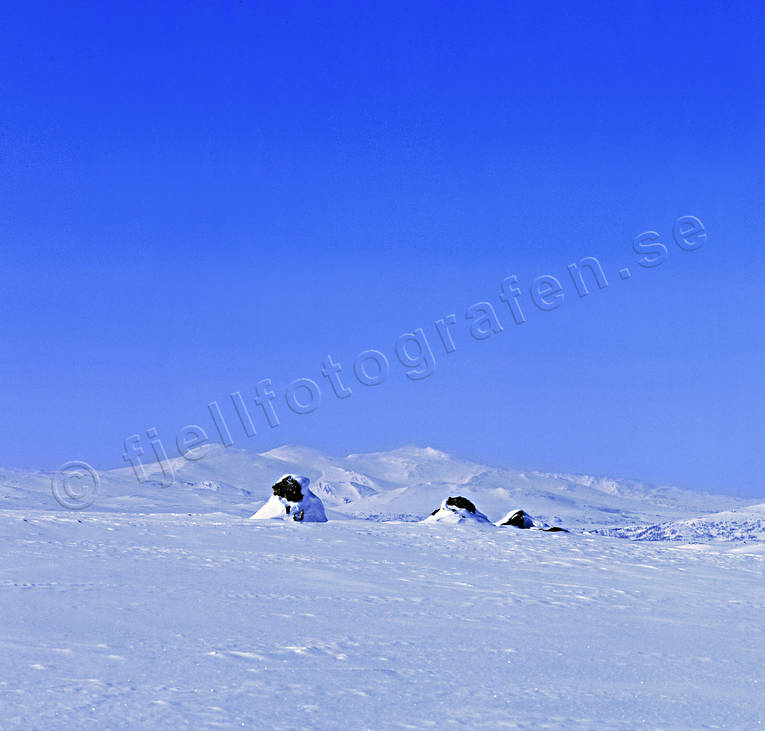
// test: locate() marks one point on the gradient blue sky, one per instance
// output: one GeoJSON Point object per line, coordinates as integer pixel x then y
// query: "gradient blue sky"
{"type": "Point", "coordinates": [202, 195]}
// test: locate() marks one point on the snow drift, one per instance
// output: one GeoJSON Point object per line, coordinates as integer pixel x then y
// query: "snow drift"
{"type": "Point", "coordinates": [292, 500]}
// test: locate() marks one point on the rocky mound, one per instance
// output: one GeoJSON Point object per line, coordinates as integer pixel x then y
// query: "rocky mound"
{"type": "Point", "coordinates": [292, 500]}
{"type": "Point", "coordinates": [521, 519]}
{"type": "Point", "coordinates": [457, 510]}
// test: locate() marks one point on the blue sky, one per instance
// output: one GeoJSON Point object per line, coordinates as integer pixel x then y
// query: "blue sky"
{"type": "Point", "coordinates": [200, 196]}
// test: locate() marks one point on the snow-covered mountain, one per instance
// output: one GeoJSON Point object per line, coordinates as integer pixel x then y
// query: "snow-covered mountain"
{"type": "Point", "coordinates": [404, 484]}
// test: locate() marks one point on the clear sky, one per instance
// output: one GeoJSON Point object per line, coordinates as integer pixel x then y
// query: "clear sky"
{"type": "Point", "coordinates": [198, 196]}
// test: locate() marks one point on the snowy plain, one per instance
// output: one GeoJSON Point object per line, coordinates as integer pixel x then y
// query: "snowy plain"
{"type": "Point", "coordinates": [168, 608]}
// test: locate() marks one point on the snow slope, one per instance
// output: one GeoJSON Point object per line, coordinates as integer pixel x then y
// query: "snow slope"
{"type": "Point", "coordinates": [112, 620]}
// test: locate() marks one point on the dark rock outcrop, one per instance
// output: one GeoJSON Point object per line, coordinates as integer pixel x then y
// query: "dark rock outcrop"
{"type": "Point", "coordinates": [461, 502]}
{"type": "Point", "coordinates": [289, 489]}
{"type": "Point", "coordinates": [519, 519]}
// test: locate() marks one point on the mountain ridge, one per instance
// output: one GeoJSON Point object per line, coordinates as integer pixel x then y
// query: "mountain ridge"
{"type": "Point", "coordinates": [405, 483]}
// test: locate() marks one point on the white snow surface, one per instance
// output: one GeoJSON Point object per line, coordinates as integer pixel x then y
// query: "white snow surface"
{"type": "Point", "coordinates": [167, 608]}
{"type": "Point", "coordinates": [746, 524]}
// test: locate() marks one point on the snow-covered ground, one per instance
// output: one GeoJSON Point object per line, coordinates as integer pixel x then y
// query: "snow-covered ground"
{"type": "Point", "coordinates": [167, 607]}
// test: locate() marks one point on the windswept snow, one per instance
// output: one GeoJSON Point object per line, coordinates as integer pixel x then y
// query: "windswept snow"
{"type": "Point", "coordinates": [745, 524]}
{"type": "Point", "coordinates": [165, 607]}
{"type": "Point", "coordinates": [175, 621]}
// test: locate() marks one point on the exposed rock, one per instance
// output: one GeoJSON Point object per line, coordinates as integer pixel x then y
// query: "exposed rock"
{"type": "Point", "coordinates": [288, 488]}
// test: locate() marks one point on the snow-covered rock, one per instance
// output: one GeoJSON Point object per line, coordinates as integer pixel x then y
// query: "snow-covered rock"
{"type": "Point", "coordinates": [292, 500]}
{"type": "Point", "coordinates": [517, 519]}
{"type": "Point", "coordinates": [456, 510]}
{"type": "Point", "coordinates": [521, 519]}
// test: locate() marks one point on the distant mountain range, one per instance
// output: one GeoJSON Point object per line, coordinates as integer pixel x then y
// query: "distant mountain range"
{"type": "Point", "coordinates": [406, 484]}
